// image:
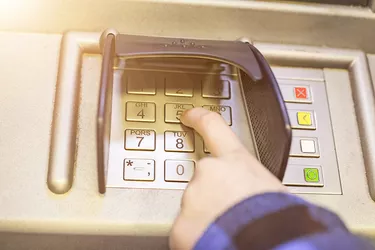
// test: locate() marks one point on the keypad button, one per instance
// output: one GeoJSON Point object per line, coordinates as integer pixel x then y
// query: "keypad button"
{"type": "Point", "coordinates": [179, 170]}
{"type": "Point", "coordinates": [311, 174]}
{"type": "Point", "coordinates": [179, 141]}
{"type": "Point", "coordinates": [173, 111]}
{"type": "Point", "coordinates": [140, 111]}
{"type": "Point", "coordinates": [302, 119]}
{"type": "Point", "coordinates": [179, 86]}
{"type": "Point", "coordinates": [303, 175]}
{"type": "Point", "coordinates": [305, 147]}
{"type": "Point", "coordinates": [224, 111]}
{"type": "Point", "coordinates": [141, 84]}
{"type": "Point", "coordinates": [298, 94]}
{"type": "Point", "coordinates": [139, 139]}
{"type": "Point", "coordinates": [216, 89]}
{"type": "Point", "coordinates": [139, 170]}
{"type": "Point", "coordinates": [205, 149]}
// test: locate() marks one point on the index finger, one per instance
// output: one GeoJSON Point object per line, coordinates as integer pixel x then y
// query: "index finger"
{"type": "Point", "coordinates": [217, 135]}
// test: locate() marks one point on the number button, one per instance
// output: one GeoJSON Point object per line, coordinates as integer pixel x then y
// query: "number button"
{"type": "Point", "coordinates": [179, 85]}
{"type": "Point", "coordinates": [139, 139]}
{"type": "Point", "coordinates": [140, 111]}
{"type": "Point", "coordinates": [173, 111]}
{"type": "Point", "coordinates": [179, 141]}
{"type": "Point", "coordinates": [141, 84]}
{"type": "Point", "coordinates": [216, 89]}
{"type": "Point", "coordinates": [178, 170]}
{"type": "Point", "coordinates": [224, 111]}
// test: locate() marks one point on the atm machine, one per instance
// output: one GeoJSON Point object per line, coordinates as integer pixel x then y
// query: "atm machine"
{"type": "Point", "coordinates": [92, 152]}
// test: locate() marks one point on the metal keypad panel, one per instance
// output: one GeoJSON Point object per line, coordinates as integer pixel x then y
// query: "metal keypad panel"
{"type": "Point", "coordinates": [150, 148]}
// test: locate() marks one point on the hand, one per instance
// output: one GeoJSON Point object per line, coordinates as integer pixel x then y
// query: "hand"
{"type": "Point", "coordinates": [219, 182]}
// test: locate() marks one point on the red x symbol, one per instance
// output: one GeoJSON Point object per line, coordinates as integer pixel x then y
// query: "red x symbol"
{"type": "Point", "coordinates": [300, 93]}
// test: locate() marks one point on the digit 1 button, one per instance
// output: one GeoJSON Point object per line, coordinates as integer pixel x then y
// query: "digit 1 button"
{"type": "Point", "coordinates": [139, 139]}
{"type": "Point", "coordinates": [141, 83]}
{"type": "Point", "coordinates": [140, 111]}
{"type": "Point", "coordinates": [173, 111]}
{"type": "Point", "coordinates": [179, 141]}
{"type": "Point", "coordinates": [178, 170]}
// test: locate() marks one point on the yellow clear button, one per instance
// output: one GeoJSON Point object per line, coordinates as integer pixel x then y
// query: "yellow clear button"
{"type": "Point", "coordinates": [304, 118]}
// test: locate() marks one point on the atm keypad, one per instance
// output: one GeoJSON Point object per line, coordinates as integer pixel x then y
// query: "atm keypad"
{"type": "Point", "coordinates": [158, 151]}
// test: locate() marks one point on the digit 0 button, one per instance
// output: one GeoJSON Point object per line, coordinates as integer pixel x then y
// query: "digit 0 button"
{"type": "Point", "coordinates": [178, 170]}
{"type": "Point", "coordinates": [179, 141]}
{"type": "Point", "coordinates": [140, 111]}
{"type": "Point", "coordinates": [139, 139]}
{"type": "Point", "coordinates": [173, 111]}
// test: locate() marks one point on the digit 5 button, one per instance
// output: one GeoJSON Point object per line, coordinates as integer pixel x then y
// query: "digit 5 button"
{"type": "Point", "coordinates": [173, 111]}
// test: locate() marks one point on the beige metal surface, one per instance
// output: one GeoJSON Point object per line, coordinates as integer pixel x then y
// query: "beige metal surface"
{"type": "Point", "coordinates": [284, 22]}
{"type": "Point", "coordinates": [26, 108]}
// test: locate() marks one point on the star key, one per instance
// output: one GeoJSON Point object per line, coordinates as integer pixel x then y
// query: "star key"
{"type": "Point", "coordinates": [139, 169]}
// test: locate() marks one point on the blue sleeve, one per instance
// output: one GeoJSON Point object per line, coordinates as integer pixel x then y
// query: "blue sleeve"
{"type": "Point", "coordinates": [279, 221]}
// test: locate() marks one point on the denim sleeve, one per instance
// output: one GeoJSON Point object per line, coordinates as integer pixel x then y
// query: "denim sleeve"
{"type": "Point", "coordinates": [279, 221]}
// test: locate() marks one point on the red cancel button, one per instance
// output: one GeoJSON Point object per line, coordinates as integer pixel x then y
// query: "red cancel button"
{"type": "Point", "coordinates": [300, 92]}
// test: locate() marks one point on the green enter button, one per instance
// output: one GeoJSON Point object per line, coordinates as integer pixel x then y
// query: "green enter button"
{"type": "Point", "coordinates": [311, 174]}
